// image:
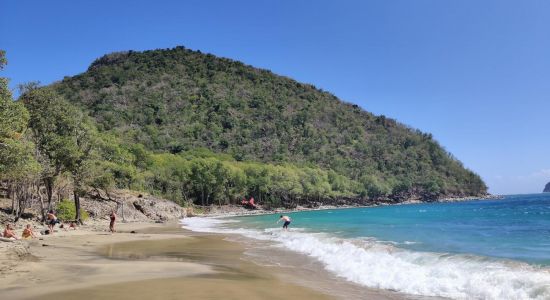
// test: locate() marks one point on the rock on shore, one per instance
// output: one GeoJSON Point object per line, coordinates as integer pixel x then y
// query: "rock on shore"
{"type": "Point", "coordinates": [132, 206]}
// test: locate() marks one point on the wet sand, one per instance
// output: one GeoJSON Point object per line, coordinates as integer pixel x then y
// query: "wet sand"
{"type": "Point", "coordinates": [218, 286]}
{"type": "Point", "coordinates": [159, 262]}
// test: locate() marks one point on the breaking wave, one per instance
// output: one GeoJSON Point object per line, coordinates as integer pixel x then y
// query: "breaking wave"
{"type": "Point", "coordinates": [381, 265]}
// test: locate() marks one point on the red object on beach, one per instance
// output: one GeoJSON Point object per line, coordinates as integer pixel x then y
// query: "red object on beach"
{"type": "Point", "coordinates": [250, 203]}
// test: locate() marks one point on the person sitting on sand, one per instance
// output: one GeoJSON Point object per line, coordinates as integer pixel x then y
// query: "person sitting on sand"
{"type": "Point", "coordinates": [28, 233]}
{"type": "Point", "coordinates": [9, 233]}
{"type": "Point", "coordinates": [72, 225]}
{"type": "Point", "coordinates": [68, 226]}
{"type": "Point", "coordinates": [52, 220]}
{"type": "Point", "coordinates": [286, 220]}
{"type": "Point", "coordinates": [112, 223]}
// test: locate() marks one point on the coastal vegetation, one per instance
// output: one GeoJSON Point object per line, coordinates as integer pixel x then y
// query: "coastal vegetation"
{"type": "Point", "coordinates": [66, 210]}
{"type": "Point", "coordinates": [203, 130]}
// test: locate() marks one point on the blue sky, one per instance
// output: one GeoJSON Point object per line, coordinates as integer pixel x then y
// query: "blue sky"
{"type": "Point", "coordinates": [476, 74]}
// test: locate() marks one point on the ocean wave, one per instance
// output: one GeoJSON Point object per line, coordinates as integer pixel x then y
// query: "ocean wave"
{"type": "Point", "coordinates": [381, 265]}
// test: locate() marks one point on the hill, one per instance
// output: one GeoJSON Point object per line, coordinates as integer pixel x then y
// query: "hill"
{"type": "Point", "coordinates": [179, 100]}
{"type": "Point", "coordinates": [547, 188]}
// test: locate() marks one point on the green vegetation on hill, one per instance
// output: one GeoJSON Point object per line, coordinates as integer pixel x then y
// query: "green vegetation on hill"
{"type": "Point", "coordinates": [178, 100]}
{"type": "Point", "coordinates": [205, 130]}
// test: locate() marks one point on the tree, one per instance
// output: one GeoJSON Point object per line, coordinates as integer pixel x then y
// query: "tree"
{"type": "Point", "coordinates": [235, 185]}
{"type": "Point", "coordinates": [258, 180]}
{"type": "Point", "coordinates": [17, 164]}
{"type": "Point", "coordinates": [50, 124]}
{"type": "Point", "coordinates": [208, 179]}
{"type": "Point", "coordinates": [3, 59]}
{"type": "Point", "coordinates": [285, 186]}
{"type": "Point", "coordinates": [375, 188]}
{"type": "Point", "coordinates": [64, 140]}
{"type": "Point", "coordinates": [81, 159]}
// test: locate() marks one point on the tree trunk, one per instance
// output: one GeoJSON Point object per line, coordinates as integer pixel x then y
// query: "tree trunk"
{"type": "Point", "coordinates": [11, 195]}
{"type": "Point", "coordinates": [41, 199]}
{"type": "Point", "coordinates": [48, 183]}
{"type": "Point", "coordinates": [15, 202]}
{"type": "Point", "coordinates": [21, 199]}
{"type": "Point", "coordinates": [78, 218]}
{"type": "Point", "coordinates": [184, 196]}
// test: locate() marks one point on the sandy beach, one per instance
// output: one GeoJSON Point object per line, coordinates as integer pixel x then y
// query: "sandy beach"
{"type": "Point", "coordinates": [159, 261]}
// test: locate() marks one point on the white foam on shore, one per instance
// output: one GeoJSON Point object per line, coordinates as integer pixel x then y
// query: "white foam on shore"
{"type": "Point", "coordinates": [379, 265]}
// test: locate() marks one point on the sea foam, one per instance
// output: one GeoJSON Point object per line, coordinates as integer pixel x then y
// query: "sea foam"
{"type": "Point", "coordinates": [381, 265]}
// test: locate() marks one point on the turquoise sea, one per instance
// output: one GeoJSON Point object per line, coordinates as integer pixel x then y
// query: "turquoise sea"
{"type": "Point", "coordinates": [486, 249]}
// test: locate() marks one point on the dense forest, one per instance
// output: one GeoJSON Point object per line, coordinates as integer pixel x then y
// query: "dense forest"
{"type": "Point", "coordinates": [204, 130]}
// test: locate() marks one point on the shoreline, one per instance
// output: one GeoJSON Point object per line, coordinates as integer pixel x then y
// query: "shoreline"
{"type": "Point", "coordinates": [510, 276]}
{"type": "Point", "coordinates": [164, 258]}
{"type": "Point", "coordinates": [239, 210]}
{"type": "Point", "coordinates": [27, 265]}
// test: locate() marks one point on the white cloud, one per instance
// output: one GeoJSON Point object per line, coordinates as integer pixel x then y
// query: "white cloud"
{"type": "Point", "coordinates": [540, 174]}
{"type": "Point", "coordinates": [544, 173]}
{"type": "Point", "coordinates": [519, 184]}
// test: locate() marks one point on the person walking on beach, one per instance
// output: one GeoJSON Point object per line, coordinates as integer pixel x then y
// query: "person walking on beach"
{"type": "Point", "coordinates": [286, 220]}
{"type": "Point", "coordinates": [112, 223]}
{"type": "Point", "coordinates": [51, 221]}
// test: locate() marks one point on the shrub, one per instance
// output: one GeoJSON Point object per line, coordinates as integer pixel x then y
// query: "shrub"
{"type": "Point", "coordinates": [66, 210]}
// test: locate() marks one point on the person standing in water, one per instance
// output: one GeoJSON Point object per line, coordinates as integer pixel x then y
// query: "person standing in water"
{"type": "Point", "coordinates": [286, 220]}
